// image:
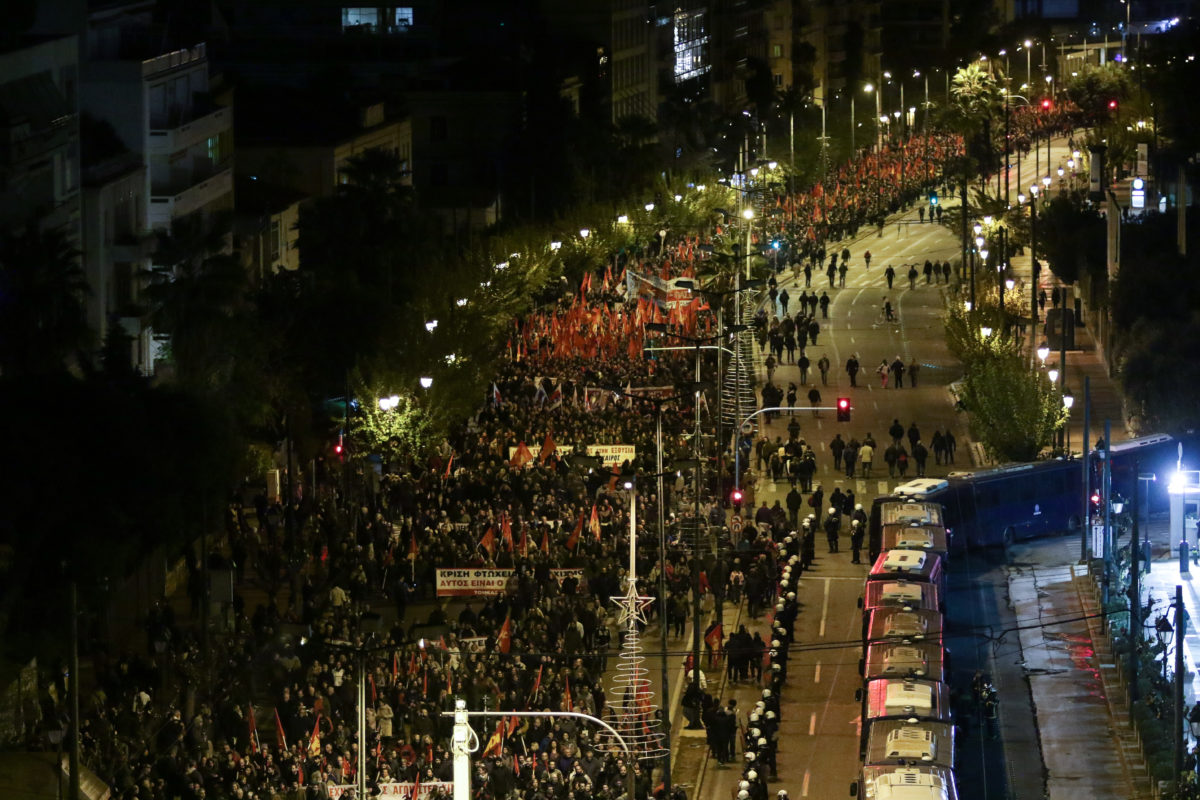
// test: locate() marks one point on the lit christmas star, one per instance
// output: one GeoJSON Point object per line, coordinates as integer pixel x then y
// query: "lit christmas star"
{"type": "Point", "coordinates": [633, 606]}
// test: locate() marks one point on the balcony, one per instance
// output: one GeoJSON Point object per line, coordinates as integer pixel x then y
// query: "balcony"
{"type": "Point", "coordinates": [166, 207]}
{"type": "Point", "coordinates": [165, 141]}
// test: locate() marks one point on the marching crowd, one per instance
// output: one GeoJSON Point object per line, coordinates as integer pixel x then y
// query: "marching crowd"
{"type": "Point", "coordinates": [268, 708]}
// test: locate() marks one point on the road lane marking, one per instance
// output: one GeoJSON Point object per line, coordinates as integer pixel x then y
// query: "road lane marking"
{"type": "Point", "coordinates": [804, 785]}
{"type": "Point", "coordinates": [817, 673]}
{"type": "Point", "coordinates": [824, 608]}
{"type": "Point", "coordinates": [812, 724]}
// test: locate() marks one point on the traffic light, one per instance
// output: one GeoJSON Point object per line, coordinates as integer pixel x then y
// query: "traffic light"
{"type": "Point", "coordinates": [1095, 498]}
{"type": "Point", "coordinates": [737, 497]}
{"type": "Point", "coordinates": [1046, 104]}
{"type": "Point", "coordinates": [339, 447]}
{"type": "Point", "coordinates": [1112, 104]}
{"type": "Point", "coordinates": [843, 409]}
{"type": "Point", "coordinates": [933, 198]}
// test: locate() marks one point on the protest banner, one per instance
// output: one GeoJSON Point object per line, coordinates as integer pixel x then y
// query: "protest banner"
{"type": "Point", "coordinates": [473, 582]}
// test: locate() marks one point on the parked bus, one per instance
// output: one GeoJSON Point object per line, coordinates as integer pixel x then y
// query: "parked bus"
{"type": "Point", "coordinates": [908, 595]}
{"type": "Point", "coordinates": [909, 565]}
{"type": "Point", "coordinates": [899, 742]}
{"type": "Point", "coordinates": [929, 538]}
{"type": "Point", "coordinates": [898, 510]}
{"type": "Point", "coordinates": [910, 699]}
{"type": "Point", "coordinates": [899, 625]}
{"type": "Point", "coordinates": [896, 660]}
{"type": "Point", "coordinates": [910, 783]}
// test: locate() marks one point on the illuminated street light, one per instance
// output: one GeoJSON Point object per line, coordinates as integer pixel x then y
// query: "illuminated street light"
{"type": "Point", "coordinates": [426, 382]}
{"type": "Point", "coordinates": [986, 331]}
{"type": "Point", "coordinates": [748, 213]}
{"type": "Point", "coordinates": [1043, 350]}
{"type": "Point", "coordinates": [987, 220]}
{"type": "Point", "coordinates": [430, 325]}
{"type": "Point", "coordinates": [555, 245]}
{"type": "Point", "coordinates": [460, 302]}
{"type": "Point", "coordinates": [1052, 374]}
{"type": "Point", "coordinates": [388, 403]}
{"type": "Point", "coordinates": [584, 233]}
{"type": "Point", "coordinates": [623, 218]}
{"type": "Point", "coordinates": [678, 197]}
{"type": "Point", "coordinates": [649, 206]}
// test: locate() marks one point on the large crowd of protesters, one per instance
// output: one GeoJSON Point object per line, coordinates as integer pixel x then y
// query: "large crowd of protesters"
{"type": "Point", "coordinates": [271, 710]}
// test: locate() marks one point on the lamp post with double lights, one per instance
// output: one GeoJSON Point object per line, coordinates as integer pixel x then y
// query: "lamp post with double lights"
{"type": "Point", "coordinates": [697, 343]}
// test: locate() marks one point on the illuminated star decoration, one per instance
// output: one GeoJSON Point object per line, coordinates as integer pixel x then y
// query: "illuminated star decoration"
{"type": "Point", "coordinates": [633, 606]}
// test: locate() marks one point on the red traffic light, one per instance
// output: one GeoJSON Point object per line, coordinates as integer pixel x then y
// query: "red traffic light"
{"type": "Point", "coordinates": [843, 409]}
{"type": "Point", "coordinates": [1095, 498]}
{"type": "Point", "coordinates": [737, 496]}
{"type": "Point", "coordinates": [338, 446]}
{"type": "Point", "coordinates": [1046, 104]}
{"type": "Point", "coordinates": [1112, 105]}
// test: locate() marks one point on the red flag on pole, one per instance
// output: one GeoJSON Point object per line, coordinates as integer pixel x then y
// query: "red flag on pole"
{"type": "Point", "coordinates": [567, 706]}
{"type": "Point", "coordinates": [449, 464]}
{"type": "Point", "coordinates": [280, 738]}
{"type": "Point", "coordinates": [253, 724]}
{"type": "Point", "coordinates": [594, 523]}
{"type": "Point", "coordinates": [488, 542]}
{"type": "Point", "coordinates": [548, 446]}
{"type": "Point", "coordinates": [504, 638]}
{"type": "Point", "coordinates": [395, 666]}
{"type": "Point", "coordinates": [495, 741]}
{"type": "Point", "coordinates": [573, 539]}
{"type": "Point", "coordinates": [715, 637]}
{"type": "Point", "coordinates": [521, 457]}
{"type": "Point", "coordinates": [537, 684]}
{"type": "Point", "coordinates": [545, 542]}
{"type": "Point", "coordinates": [314, 741]}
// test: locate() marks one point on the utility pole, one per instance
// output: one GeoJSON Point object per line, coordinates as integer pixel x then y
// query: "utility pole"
{"type": "Point", "coordinates": [1180, 630]}
{"type": "Point", "coordinates": [1108, 542]}
{"type": "Point", "coordinates": [73, 784]}
{"type": "Point", "coordinates": [696, 604]}
{"type": "Point", "coordinates": [1087, 474]}
{"type": "Point", "coordinates": [1135, 589]}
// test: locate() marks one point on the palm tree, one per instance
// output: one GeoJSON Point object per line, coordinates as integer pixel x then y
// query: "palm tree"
{"type": "Point", "coordinates": [42, 290]}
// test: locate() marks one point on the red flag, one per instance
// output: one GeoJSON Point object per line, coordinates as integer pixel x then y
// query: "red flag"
{"type": "Point", "coordinates": [395, 666]}
{"type": "Point", "coordinates": [594, 523]}
{"type": "Point", "coordinates": [521, 457]}
{"type": "Point", "coordinates": [314, 741]}
{"type": "Point", "coordinates": [450, 680]}
{"type": "Point", "coordinates": [548, 447]}
{"type": "Point", "coordinates": [488, 542]}
{"type": "Point", "coordinates": [495, 742]}
{"type": "Point", "coordinates": [573, 539]}
{"type": "Point", "coordinates": [412, 664]}
{"type": "Point", "coordinates": [280, 738]}
{"type": "Point", "coordinates": [425, 682]}
{"type": "Point", "coordinates": [253, 730]}
{"type": "Point", "coordinates": [516, 765]}
{"type": "Point", "coordinates": [374, 694]}
{"type": "Point", "coordinates": [567, 706]}
{"type": "Point", "coordinates": [412, 545]}
{"type": "Point", "coordinates": [545, 542]}
{"type": "Point", "coordinates": [449, 464]}
{"type": "Point", "coordinates": [504, 638]}
{"type": "Point", "coordinates": [506, 535]}
{"type": "Point", "coordinates": [537, 685]}
{"type": "Point", "coordinates": [513, 722]}
{"type": "Point", "coordinates": [715, 637]}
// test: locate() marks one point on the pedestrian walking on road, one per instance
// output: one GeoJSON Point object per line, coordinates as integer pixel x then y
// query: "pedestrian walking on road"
{"type": "Point", "coordinates": [791, 397]}
{"type": "Point", "coordinates": [814, 398]}
{"type": "Point", "coordinates": [946, 271]}
{"type": "Point", "coordinates": [842, 275]}
{"type": "Point", "coordinates": [808, 275]}
{"type": "Point", "coordinates": [901, 461]}
{"type": "Point", "coordinates": [823, 365]}
{"type": "Point", "coordinates": [882, 371]}
{"type": "Point", "coordinates": [852, 370]}
{"type": "Point", "coordinates": [814, 328]}
{"type": "Point", "coordinates": [769, 363]}
{"type": "Point", "coordinates": [920, 455]}
{"type": "Point", "coordinates": [914, 435]}
{"type": "Point", "coordinates": [921, 214]}
{"type": "Point", "coordinates": [867, 259]}
{"type": "Point", "coordinates": [914, 367]}
{"type": "Point", "coordinates": [897, 369]}
{"type": "Point", "coordinates": [784, 297]}
{"type": "Point", "coordinates": [866, 454]}
{"type": "Point", "coordinates": [856, 541]}
{"type": "Point", "coordinates": [850, 456]}
{"type": "Point", "coordinates": [890, 457]}
{"type": "Point", "coordinates": [831, 273]}
{"type": "Point", "coordinates": [833, 526]}
{"type": "Point", "coordinates": [824, 303]}
{"type": "Point", "coordinates": [951, 445]}
{"type": "Point", "coordinates": [912, 276]}
{"type": "Point", "coordinates": [890, 274]}
{"type": "Point", "coordinates": [803, 364]}
{"type": "Point", "coordinates": [938, 444]}
{"type": "Point", "coordinates": [896, 431]}
{"type": "Point", "coordinates": [836, 447]}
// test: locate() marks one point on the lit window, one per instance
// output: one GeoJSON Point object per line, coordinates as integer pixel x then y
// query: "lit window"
{"type": "Point", "coordinates": [403, 18]}
{"type": "Point", "coordinates": [777, 51]}
{"type": "Point", "coordinates": [360, 18]}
